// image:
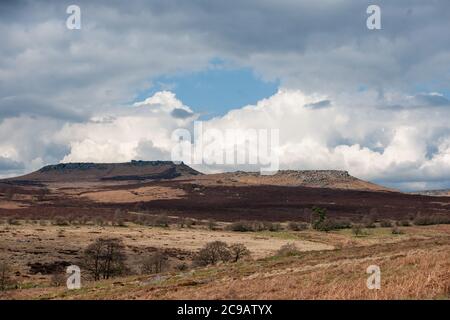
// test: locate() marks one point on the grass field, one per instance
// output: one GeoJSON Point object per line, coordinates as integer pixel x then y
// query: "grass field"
{"type": "Point", "coordinates": [414, 265]}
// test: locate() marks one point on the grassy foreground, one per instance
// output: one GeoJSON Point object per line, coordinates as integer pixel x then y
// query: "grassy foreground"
{"type": "Point", "coordinates": [413, 266]}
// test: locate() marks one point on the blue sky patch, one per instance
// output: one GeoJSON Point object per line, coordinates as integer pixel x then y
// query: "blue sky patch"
{"type": "Point", "coordinates": [216, 90]}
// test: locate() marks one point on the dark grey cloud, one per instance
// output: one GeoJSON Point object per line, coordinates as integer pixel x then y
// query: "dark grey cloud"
{"type": "Point", "coordinates": [319, 105]}
{"type": "Point", "coordinates": [181, 113]}
{"type": "Point", "coordinates": [23, 105]}
{"type": "Point", "coordinates": [433, 100]}
{"type": "Point", "coordinates": [418, 101]}
{"type": "Point", "coordinates": [7, 164]}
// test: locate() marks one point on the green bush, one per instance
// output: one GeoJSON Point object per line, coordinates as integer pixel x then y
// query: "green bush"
{"type": "Point", "coordinates": [319, 216]}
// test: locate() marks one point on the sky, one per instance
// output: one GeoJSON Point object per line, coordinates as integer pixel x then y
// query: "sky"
{"type": "Point", "coordinates": [373, 102]}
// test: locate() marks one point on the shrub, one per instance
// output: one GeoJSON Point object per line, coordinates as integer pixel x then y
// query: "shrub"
{"type": "Point", "coordinates": [161, 221]}
{"type": "Point", "coordinates": [184, 223]}
{"type": "Point", "coordinates": [396, 230]}
{"type": "Point", "coordinates": [241, 226]}
{"type": "Point", "coordinates": [104, 258]}
{"type": "Point", "coordinates": [257, 226]}
{"type": "Point", "coordinates": [182, 266]}
{"type": "Point", "coordinates": [57, 279]}
{"type": "Point", "coordinates": [238, 251]}
{"type": "Point", "coordinates": [332, 224]}
{"type": "Point", "coordinates": [297, 226]}
{"type": "Point", "coordinates": [385, 224]}
{"type": "Point", "coordinates": [212, 225]}
{"type": "Point", "coordinates": [341, 224]}
{"type": "Point", "coordinates": [288, 250]}
{"type": "Point", "coordinates": [60, 221]}
{"type": "Point", "coordinates": [272, 226]}
{"type": "Point", "coordinates": [213, 253]}
{"type": "Point", "coordinates": [13, 221]}
{"type": "Point", "coordinates": [99, 221]}
{"type": "Point", "coordinates": [189, 222]}
{"type": "Point", "coordinates": [357, 229]}
{"type": "Point", "coordinates": [403, 223]}
{"type": "Point", "coordinates": [254, 226]}
{"type": "Point", "coordinates": [368, 222]}
{"type": "Point", "coordinates": [83, 220]}
{"type": "Point", "coordinates": [319, 216]}
{"type": "Point", "coordinates": [430, 220]}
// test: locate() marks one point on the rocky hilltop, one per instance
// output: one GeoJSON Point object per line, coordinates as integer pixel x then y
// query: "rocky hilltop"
{"type": "Point", "coordinates": [336, 179]}
{"type": "Point", "coordinates": [145, 171]}
{"type": "Point", "coordinates": [129, 171]}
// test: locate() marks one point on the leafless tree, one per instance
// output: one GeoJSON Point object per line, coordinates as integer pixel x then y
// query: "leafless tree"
{"type": "Point", "coordinates": [156, 262]}
{"type": "Point", "coordinates": [213, 253]}
{"type": "Point", "coordinates": [105, 258]}
{"type": "Point", "coordinates": [238, 251]}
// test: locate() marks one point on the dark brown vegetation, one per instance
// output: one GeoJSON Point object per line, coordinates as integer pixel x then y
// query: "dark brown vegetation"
{"type": "Point", "coordinates": [42, 195]}
{"type": "Point", "coordinates": [156, 262]}
{"type": "Point", "coordinates": [218, 251]}
{"type": "Point", "coordinates": [5, 274]}
{"type": "Point", "coordinates": [105, 258]}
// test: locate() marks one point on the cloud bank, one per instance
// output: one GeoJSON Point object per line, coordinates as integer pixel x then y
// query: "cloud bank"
{"type": "Point", "coordinates": [372, 102]}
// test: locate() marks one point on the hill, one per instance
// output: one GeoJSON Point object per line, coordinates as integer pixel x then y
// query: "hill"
{"type": "Point", "coordinates": [129, 171]}
{"type": "Point", "coordinates": [333, 179]}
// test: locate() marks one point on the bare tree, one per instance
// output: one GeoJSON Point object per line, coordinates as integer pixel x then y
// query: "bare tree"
{"type": "Point", "coordinates": [105, 258]}
{"type": "Point", "coordinates": [238, 251]}
{"type": "Point", "coordinates": [212, 253]}
{"type": "Point", "coordinates": [154, 263]}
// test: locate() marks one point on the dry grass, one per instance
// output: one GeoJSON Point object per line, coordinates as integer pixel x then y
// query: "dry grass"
{"type": "Point", "coordinates": [31, 243]}
{"type": "Point", "coordinates": [414, 268]}
{"type": "Point", "coordinates": [135, 195]}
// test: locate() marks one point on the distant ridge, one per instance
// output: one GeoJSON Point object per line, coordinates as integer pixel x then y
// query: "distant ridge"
{"type": "Point", "coordinates": [436, 193]}
{"type": "Point", "coordinates": [334, 179]}
{"type": "Point", "coordinates": [142, 171]}
{"type": "Point", "coordinates": [88, 171]}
